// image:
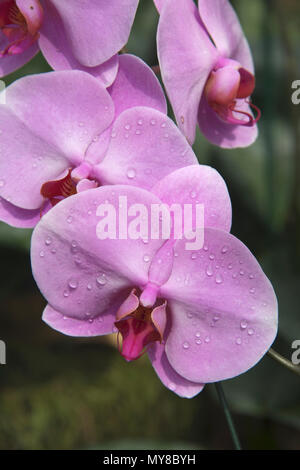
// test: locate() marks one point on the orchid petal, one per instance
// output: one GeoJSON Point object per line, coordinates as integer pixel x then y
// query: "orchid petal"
{"type": "Point", "coordinates": [222, 133]}
{"type": "Point", "coordinates": [224, 28]}
{"type": "Point", "coordinates": [55, 46]}
{"type": "Point", "coordinates": [16, 217]}
{"type": "Point", "coordinates": [86, 327]}
{"type": "Point", "coordinates": [223, 308]}
{"type": "Point", "coordinates": [26, 162]}
{"type": "Point", "coordinates": [66, 109]}
{"type": "Point", "coordinates": [145, 146]}
{"type": "Point", "coordinates": [168, 376]}
{"type": "Point", "coordinates": [198, 184]}
{"type": "Point", "coordinates": [10, 63]}
{"type": "Point", "coordinates": [96, 30]}
{"type": "Point", "coordinates": [136, 85]}
{"type": "Point", "coordinates": [90, 273]}
{"type": "Point", "coordinates": [186, 57]}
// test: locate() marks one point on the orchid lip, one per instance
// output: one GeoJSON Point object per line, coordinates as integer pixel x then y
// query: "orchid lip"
{"type": "Point", "coordinates": [139, 328]}
{"type": "Point", "coordinates": [21, 27]}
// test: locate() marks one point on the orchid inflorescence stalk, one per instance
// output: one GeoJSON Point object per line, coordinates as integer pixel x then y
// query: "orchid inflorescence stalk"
{"type": "Point", "coordinates": [78, 142]}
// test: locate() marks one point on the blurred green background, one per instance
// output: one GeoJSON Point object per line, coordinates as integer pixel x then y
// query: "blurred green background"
{"type": "Point", "coordinates": [58, 392]}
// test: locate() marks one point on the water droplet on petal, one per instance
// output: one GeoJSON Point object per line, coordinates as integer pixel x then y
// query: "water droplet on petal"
{"type": "Point", "coordinates": [198, 341]}
{"type": "Point", "coordinates": [69, 219]}
{"type": "Point", "coordinates": [250, 331]}
{"type": "Point", "coordinates": [194, 255]}
{"type": "Point", "coordinates": [66, 293]}
{"type": "Point", "coordinates": [238, 341]}
{"type": "Point", "coordinates": [140, 122]}
{"type": "Point", "coordinates": [48, 241]}
{"type": "Point", "coordinates": [2, 183]}
{"type": "Point", "coordinates": [224, 249]}
{"type": "Point", "coordinates": [127, 127]}
{"type": "Point", "coordinates": [252, 290]}
{"type": "Point", "coordinates": [219, 279]}
{"type": "Point", "coordinates": [73, 283]}
{"type": "Point", "coordinates": [189, 315]}
{"type": "Point", "coordinates": [209, 270]}
{"type": "Point", "coordinates": [244, 324]}
{"type": "Point", "coordinates": [146, 258]}
{"type": "Point", "coordinates": [152, 122]}
{"type": "Point", "coordinates": [42, 254]}
{"type": "Point", "coordinates": [172, 386]}
{"type": "Point", "coordinates": [101, 280]}
{"type": "Point", "coordinates": [207, 339]}
{"type": "Point", "coordinates": [186, 345]}
{"type": "Point", "coordinates": [131, 173]}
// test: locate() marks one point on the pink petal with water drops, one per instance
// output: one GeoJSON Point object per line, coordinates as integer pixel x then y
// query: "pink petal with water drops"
{"type": "Point", "coordinates": [145, 146]}
{"type": "Point", "coordinates": [87, 326]}
{"type": "Point", "coordinates": [90, 274]}
{"type": "Point", "coordinates": [224, 309]}
{"type": "Point", "coordinates": [198, 184]}
{"type": "Point", "coordinates": [27, 161]}
{"type": "Point", "coordinates": [66, 109]}
{"type": "Point", "coordinates": [168, 376]}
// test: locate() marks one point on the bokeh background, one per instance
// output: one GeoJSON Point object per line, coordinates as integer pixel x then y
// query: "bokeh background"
{"type": "Point", "coordinates": [58, 392]}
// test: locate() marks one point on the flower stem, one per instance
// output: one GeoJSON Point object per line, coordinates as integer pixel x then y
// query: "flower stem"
{"type": "Point", "coordinates": [228, 416]}
{"type": "Point", "coordinates": [284, 362]}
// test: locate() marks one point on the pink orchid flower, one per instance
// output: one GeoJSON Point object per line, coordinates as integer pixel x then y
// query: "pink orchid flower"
{"type": "Point", "coordinates": [202, 316]}
{"type": "Point", "coordinates": [207, 69]}
{"type": "Point", "coordinates": [74, 34]}
{"type": "Point", "coordinates": [63, 132]}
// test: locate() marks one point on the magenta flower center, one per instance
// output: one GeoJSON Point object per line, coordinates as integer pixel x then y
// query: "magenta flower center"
{"type": "Point", "coordinates": [226, 89]}
{"type": "Point", "coordinates": [138, 331]}
{"type": "Point", "coordinates": [19, 26]}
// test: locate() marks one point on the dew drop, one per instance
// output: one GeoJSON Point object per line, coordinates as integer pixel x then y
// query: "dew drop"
{"type": "Point", "coordinates": [152, 122]}
{"type": "Point", "coordinates": [209, 270]}
{"type": "Point", "coordinates": [229, 266]}
{"type": "Point", "coordinates": [101, 280]}
{"type": "Point", "coordinates": [42, 254]}
{"type": "Point", "coordinates": [73, 284]}
{"type": "Point", "coordinates": [219, 279]}
{"type": "Point", "coordinates": [224, 250]}
{"type": "Point", "coordinates": [252, 290]}
{"type": "Point", "coordinates": [242, 272]}
{"type": "Point", "coordinates": [140, 122]}
{"type": "Point", "coordinates": [172, 386]}
{"type": "Point", "coordinates": [48, 241]}
{"type": "Point", "coordinates": [250, 331]}
{"type": "Point", "coordinates": [69, 219]}
{"type": "Point", "coordinates": [194, 255]}
{"type": "Point", "coordinates": [198, 341]}
{"type": "Point", "coordinates": [163, 124]}
{"type": "Point", "coordinates": [131, 173]}
{"type": "Point", "coordinates": [211, 256]}
{"type": "Point", "coordinates": [2, 183]}
{"type": "Point", "coordinates": [66, 293]}
{"type": "Point", "coordinates": [238, 341]}
{"type": "Point", "coordinates": [146, 258]}
{"type": "Point", "coordinates": [207, 339]}
{"type": "Point", "coordinates": [127, 127]}
{"type": "Point", "coordinates": [243, 324]}
{"type": "Point", "coordinates": [186, 345]}
{"type": "Point", "coordinates": [89, 287]}
{"type": "Point", "coordinates": [189, 315]}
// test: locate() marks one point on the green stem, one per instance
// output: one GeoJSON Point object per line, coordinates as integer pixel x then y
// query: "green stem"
{"type": "Point", "coordinates": [284, 362]}
{"type": "Point", "coordinates": [228, 416]}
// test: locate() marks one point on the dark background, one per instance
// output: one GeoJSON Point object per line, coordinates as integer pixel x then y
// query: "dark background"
{"type": "Point", "coordinates": [58, 392]}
